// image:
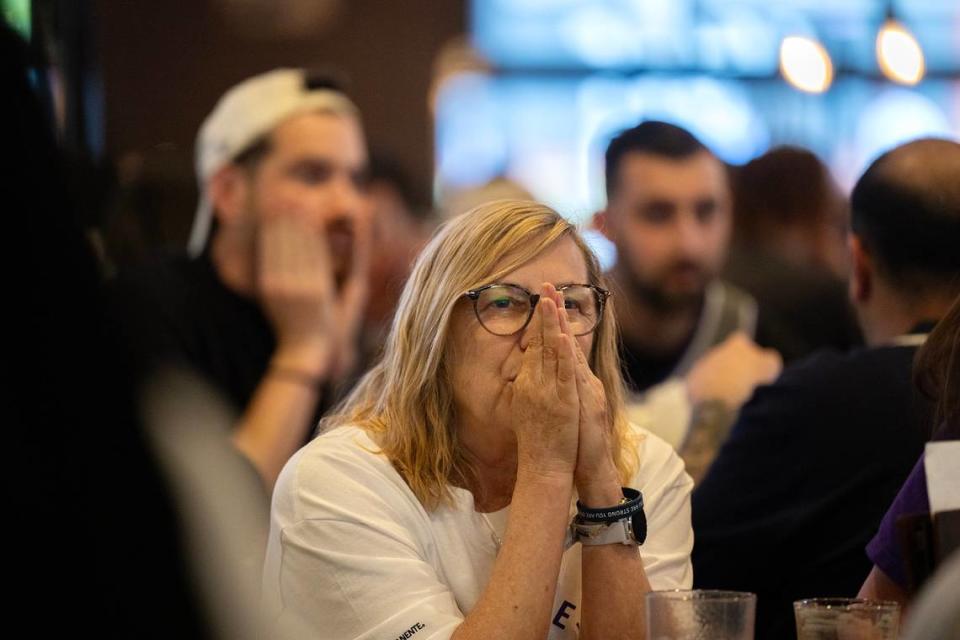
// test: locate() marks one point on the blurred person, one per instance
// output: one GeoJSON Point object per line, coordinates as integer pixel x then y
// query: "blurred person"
{"type": "Point", "coordinates": [268, 303]}
{"type": "Point", "coordinates": [93, 540]}
{"type": "Point", "coordinates": [401, 225]}
{"type": "Point", "coordinates": [150, 211]}
{"type": "Point", "coordinates": [789, 252]}
{"type": "Point", "coordinates": [668, 215]}
{"type": "Point", "coordinates": [455, 202]}
{"type": "Point", "coordinates": [787, 203]}
{"type": "Point", "coordinates": [937, 375]}
{"type": "Point", "coordinates": [815, 459]}
{"type": "Point", "coordinates": [936, 614]}
{"type": "Point", "coordinates": [448, 496]}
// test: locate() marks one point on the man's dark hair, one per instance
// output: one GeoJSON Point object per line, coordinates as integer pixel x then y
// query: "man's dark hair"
{"type": "Point", "coordinates": [653, 137]}
{"type": "Point", "coordinates": [906, 211]}
{"type": "Point", "coordinates": [249, 158]}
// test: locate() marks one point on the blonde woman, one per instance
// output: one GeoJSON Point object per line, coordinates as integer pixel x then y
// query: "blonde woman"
{"type": "Point", "coordinates": [482, 480]}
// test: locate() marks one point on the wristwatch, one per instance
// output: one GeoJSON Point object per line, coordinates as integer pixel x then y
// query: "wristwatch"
{"type": "Point", "coordinates": [624, 524]}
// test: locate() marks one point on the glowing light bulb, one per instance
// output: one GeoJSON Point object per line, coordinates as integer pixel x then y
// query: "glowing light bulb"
{"type": "Point", "coordinates": [899, 54]}
{"type": "Point", "coordinates": [805, 64]}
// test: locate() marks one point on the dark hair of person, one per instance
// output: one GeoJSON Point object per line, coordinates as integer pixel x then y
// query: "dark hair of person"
{"type": "Point", "coordinates": [327, 78]}
{"type": "Point", "coordinates": [652, 137]}
{"type": "Point", "coordinates": [906, 210]}
{"type": "Point", "coordinates": [253, 153]}
{"type": "Point", "coordinates": [785, 187]}
{"type": "Point", "coordinates": [936, 370]}
{"type": "Point", "coordinates": [249, 160]}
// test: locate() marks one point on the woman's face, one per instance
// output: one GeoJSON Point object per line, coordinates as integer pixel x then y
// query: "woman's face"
{"type": "Point", "coordinates": [483, 365]}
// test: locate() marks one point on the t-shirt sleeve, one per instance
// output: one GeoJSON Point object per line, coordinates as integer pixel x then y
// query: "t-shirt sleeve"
{"type": "Point", "coordinates": [349, 556]}
{"type": "Point", "coordinates": [663, 410]}
{"type": "Point", "coordinates": [666, 491]}
{"type": "Point", "coordinates": [884, 550]}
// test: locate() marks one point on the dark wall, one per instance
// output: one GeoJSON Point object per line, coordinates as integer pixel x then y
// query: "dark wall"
{"type": "Point", "coordinates": [165, 64]}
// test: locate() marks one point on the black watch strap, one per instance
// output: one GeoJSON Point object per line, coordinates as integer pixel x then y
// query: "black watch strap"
{"type": "Point", "coordinates": [639, 523]}
{"type": "Point", "coordinates": [625, 523]}
{"type": "Point", "coordinates": [632, 503]}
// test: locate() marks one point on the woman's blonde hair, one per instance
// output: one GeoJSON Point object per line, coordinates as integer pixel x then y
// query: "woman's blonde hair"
{"type": "Point", "coordinates": [406, 401]}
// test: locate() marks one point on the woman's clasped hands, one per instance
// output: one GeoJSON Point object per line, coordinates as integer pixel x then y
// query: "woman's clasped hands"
{"type": "Point", "coordinates": [559, 406]}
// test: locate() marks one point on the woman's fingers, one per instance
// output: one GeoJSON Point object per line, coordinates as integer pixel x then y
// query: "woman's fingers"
{"type": "Point", "coordinates": [549, 352]}
{"type": "Point", "coordinates": [580, 360]}
{"type": "Point", "coordinates": [544, 394]}
{"type": "Point", "coordinates": [564, 319]}
{"type": "Point", "coordinates": [566, 368]}
{"type": "Point", "coordinates": [551, 336]}
{"type": "Point", "coordinates": [583, 367]}
{"type": "Point", "coordinates": [561, 353]}
{"type": "Point", "coordinates": [532, 344]}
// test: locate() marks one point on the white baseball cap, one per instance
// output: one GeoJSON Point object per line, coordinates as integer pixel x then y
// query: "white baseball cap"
{"type": "Point", "coordinates": [243, 115]}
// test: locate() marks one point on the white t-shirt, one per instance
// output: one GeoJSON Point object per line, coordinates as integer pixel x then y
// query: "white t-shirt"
{"type": "Point", "coordinates": [664, 410]}
{"type": "Point", "coordinates": [353, 554]}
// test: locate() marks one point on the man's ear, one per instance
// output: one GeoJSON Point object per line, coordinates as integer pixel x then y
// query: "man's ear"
{"type": "Point", "coordinates": [862, 270]}
{"type": "Point", "coordinates": [601, 222]}
{"type": "Point", "coordinates": [228, 189]}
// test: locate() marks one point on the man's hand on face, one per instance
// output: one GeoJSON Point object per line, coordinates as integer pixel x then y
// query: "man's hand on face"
{"type": "Point", "coordinates": [315, 324]}
{"type": "Point", "coordinates": [353, 291]}
{"type": "Point", "coordinates": [730, 371]}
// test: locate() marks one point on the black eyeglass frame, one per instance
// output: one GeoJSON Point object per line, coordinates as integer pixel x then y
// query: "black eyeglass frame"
{"type": "Point", "coordinates": [601, 293]}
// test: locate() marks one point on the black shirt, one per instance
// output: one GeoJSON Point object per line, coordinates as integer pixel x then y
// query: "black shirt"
{"type": "Point", "coordinates": [799, 488]}
{"type": "Point", "coordinates": [642, 370]}
{"type": "Point", "coordinates": [723, 310]}
{"type": "Point", "coordinates": [177, 311]}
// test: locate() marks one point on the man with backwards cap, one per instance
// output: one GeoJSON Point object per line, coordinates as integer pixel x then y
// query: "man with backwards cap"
{"type": "Point", "coordinates": [268, 302]}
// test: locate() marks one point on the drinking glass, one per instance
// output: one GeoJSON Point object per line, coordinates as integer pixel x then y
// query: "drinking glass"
{"type": "Point", "coordinates": [846, 619]}
{"type": "Point", "coordinates": [700, 615]}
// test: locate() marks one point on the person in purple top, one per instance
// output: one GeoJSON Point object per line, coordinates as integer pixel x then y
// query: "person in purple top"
{"type": "Point", "coordinates": [936, 373]}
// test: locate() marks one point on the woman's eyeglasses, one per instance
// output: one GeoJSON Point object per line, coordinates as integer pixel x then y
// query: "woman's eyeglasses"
{"type": "Point", "coordinates": [506, 309]}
